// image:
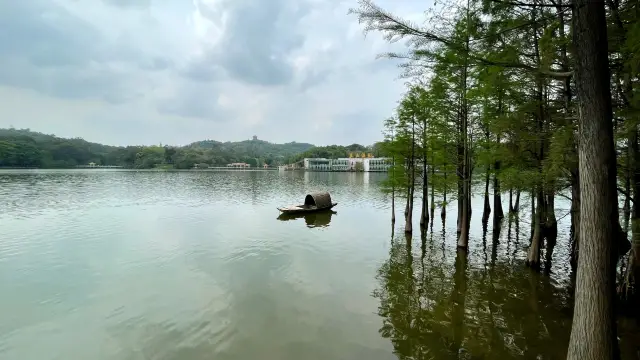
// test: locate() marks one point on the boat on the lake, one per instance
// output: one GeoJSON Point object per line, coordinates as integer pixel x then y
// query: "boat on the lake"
{"type": "Point", "coordinates": [313, 202]}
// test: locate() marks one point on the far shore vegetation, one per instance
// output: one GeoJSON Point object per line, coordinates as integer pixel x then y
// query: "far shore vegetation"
{"type": "Point", "coordinates": [23, 148]}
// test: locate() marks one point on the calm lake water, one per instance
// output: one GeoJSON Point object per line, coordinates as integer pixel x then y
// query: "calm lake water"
{"type": "Point", "coordinates": [99, 264]}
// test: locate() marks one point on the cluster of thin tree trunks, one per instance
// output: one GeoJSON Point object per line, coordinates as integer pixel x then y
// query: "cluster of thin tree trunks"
{"type": "Point", "coordinates": [544, 225]}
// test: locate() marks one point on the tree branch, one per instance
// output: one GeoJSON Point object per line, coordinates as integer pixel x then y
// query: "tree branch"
{"type": "Point", "coordinates": [517, 3]}
{"type": "Point", "coordinates": [394, 29]}
{"type": "Point", "coordinates": [626, 194]}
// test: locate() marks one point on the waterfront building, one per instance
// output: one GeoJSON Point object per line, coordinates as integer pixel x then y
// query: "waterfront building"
{"type": "Point", "coordinates": [238, 165]}
{"type": "Point", "coordinates": [341, 164]}
{"type": "Point", "coordinates": [376, 164]}
{"type": "Point", "coordinates": [367, 164]}
{"type": "Point", "coordinates": [317, 164]}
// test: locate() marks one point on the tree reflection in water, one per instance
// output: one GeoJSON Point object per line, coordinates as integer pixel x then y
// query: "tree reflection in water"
{"type": "Point", "coordinates": [447, 306]}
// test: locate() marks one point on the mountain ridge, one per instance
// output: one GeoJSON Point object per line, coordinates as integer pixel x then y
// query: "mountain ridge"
{"type": "Point", "coordinates": [27, 148]}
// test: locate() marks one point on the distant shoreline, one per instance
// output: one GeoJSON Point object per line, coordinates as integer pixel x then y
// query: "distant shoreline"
{"type": "Point", "coordinates": [133, 169]}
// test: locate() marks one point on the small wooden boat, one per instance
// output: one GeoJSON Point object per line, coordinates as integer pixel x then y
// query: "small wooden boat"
{"type": "Point", "coordinates": [312, 202]}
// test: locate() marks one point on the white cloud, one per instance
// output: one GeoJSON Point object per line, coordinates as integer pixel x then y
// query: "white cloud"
{"type": "Point", "coordinates": [176, 71]}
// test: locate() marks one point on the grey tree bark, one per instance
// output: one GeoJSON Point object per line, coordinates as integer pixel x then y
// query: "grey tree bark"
{"type": "Point", "coordinates": [593, 333]}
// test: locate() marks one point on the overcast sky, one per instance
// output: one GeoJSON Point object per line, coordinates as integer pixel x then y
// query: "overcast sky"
{"type": "Point", "coordinates": [128, 72]}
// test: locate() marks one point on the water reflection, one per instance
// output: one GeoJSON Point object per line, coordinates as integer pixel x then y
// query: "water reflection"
{"type": "Point", "coordinates": [313, 220]}
{"type": "Point", "coordinates": [445, 307]}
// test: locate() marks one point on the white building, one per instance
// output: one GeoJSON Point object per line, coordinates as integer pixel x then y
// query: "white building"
{"type": "Point", "coordinates": [317, 164]}
{"type": "Point", "coordinates": [341, 164]}
{"type": "Point", "coordinates": [347, 164]}
{"type": "Point", "coordinates": [376, 164]}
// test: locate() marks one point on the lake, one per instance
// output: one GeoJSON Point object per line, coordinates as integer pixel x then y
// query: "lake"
{"type": "Point", "coordinates": [108, 264]}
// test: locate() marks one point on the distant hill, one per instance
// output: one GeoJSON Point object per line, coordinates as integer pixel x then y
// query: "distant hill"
{"type": "Point", "coordinates": [26, 148]}
{"type": "Point", "coordinates": [336, 151]}
{"type": "Point", "coordinates": [264, 148]}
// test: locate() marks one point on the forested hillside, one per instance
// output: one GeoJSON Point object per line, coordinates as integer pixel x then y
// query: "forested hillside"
{"type": "Point", "coordinates": [26, 148]}
{"type": "Point", "coordinates": [336, 151]}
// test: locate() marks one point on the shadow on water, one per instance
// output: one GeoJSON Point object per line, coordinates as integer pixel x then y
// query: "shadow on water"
{"type": "Point", "coordinates": [468, 305]}
{"type": "Point", "coordinates": [313, 220]}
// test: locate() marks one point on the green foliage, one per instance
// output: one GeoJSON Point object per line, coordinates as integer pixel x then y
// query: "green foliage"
{"type": "Point", "coordinates": [25, 148]}
{"type": "Point", "coordinates": [330, 152]}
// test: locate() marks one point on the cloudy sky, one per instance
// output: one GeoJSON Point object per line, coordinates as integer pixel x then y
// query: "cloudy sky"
{"type": "Point", "coordinates": [175, 71]}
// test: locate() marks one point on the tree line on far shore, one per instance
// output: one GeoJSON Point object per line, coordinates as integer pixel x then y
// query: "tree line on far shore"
{"type": "Point", "coordinates": [23, 148]}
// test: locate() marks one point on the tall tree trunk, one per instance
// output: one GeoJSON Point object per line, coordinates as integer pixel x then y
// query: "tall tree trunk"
{"type": "Point", "coordinates": [498, 214]}
{"type": "Point", "coordinates": [463, 239]}
{"type": "Point", "coordinates": [460, 169]}
{"type": "Point", "coordinates": [516, 206]}
{"type": "Point", "coordinates": [460, 188]}
{"type": "Point", "coordinates": [443, 210]}
{"type": "Point", "coordinates": [551, 230]}
{"type": "Point", "coordinates": [533, 255]}
{"type": "Point", "coordinates": [406, 207]}
{"type": "Point", "coordinates": [433, 189]}
{"type": "Point", "coordinates": [593, 333]}
{"type": "Point", "coordinates": [393, 190]}
{"type": "Point", "coordinates": [487, 206]}
{"type": "Point", "coordinates": [424, 217]}
{"type": "Point", "coordinates": [533, 211]}
{"type": "Point", "coordinates": [510, 200]}
{"type": "Point", "coordinates": [408, 228]}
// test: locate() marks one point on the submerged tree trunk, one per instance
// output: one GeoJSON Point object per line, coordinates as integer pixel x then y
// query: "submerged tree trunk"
{"type": "Point", "coordinates": [460, 176]}
{"type": "Point", "coordinates": [510, 200]}
{"type": "Point", "coordinates": [433, 195]}
{"type": "Point", "coordinates": [533, 255]}
{"type": "Point", "coordinates": [487, 206]}
{"type": "Point", "coordinates": [393, 205]}
{"type": "Point", "coordinates": [498, 214]}
{"type": "Point", "coordinates": [533, 211]}
{"type": "Point", "coordinates": [424, 217]}
{"type": "Point", "coordinates": [463, 239]}
{"type": "Point", "coordinates": [408, 228]}
{"type": "Point", "coordinates": [593, 333]}
{"type": "Point", "coordinates": [393, 191]}
{"type": "Point", "coordinates": [551, 230]}
{"type": "Point", "coordinates": [460, 202]}
{"type": "Point", "coordinates": [443, 210]}
{"type": "Point", "coordinates": [406, 207]}
{"type": "Point", "coordinates": [408, 224]}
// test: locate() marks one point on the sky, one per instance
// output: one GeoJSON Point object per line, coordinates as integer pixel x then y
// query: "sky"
{"type": "Point", "coordinates": [134, 72]}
